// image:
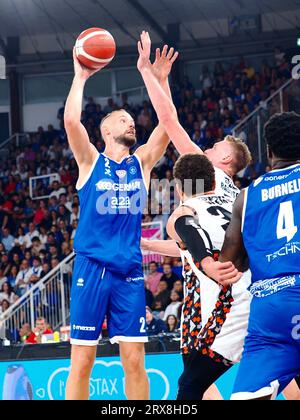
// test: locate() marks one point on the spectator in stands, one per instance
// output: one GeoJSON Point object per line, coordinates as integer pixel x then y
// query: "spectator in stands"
{"type": "Point", "coordinates": [153, 279]}
{"type": "Point", "coordinates": [57, 189]}
{"type": "Point", "coordinates": [29, 209]}
{"type": "Point", "coordinates": [178, 288]}
{"type": "Point", "coordinates": [63, 214]}
{"type": "Point", "coordinates": [172, 323]}
{"type": "Point", "coordinates": [34, 273]}
{"type": "Point", "coordinates": [75, 213]}
{"type": "Point", "coordinates": [43, 234]}
{"type": "Point", "coordinates": [7, 239]}
{"type": "Point", "coordinates": [33, 233]}
{"type": "Point", "coordinates": [169, 276]}
{"type": "Point", "coordinates": [24, 332]}
{"type": "Point", "coordinates": [54, 253]}
{"type": "Point", "coordinates": [54, 262]}
{"type": "Point", "coordinates": [46, 269]}
{"type": "Point", "coordinates": [4, 305]}
{"type": "Point", "coordinates": [65, 250]}
{"type": "Point", "coordinates": [22, 278]}
{"type": "Point", "coordinates": [5, 264]}
{"type": "Point", "coordinates": [41, 328]}
{"type": "Point", "coordinates": [161, 298]}
{"type": "Point", "coordinates": [109, 107]}
{"type": "Point", "coordinates": [172, 308]}
{"type": "Point", "coordinates": [20, 240]}
{"type": "Point", "coordinates": [154, 326]}
{"type": "Point", "coordinates": [36, 246]}
{"type": "Point", "coordinates": [7, 293]}
{"type": "Point", "coordinates": [53, 203]}
{"type": "Point", "coordinates": [12, 277]}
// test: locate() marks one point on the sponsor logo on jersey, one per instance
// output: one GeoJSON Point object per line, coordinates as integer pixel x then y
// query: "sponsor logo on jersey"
{"type": "Point", "coordinates": [121, 173]}
{"type": "Point", "coordinates": [80, 282]}
{"type": "Point", "coordinates": [110, 186]}
{"type": "Point", "coordinates": [130, 279]}
{"type": "Point", "coordinates": [129, 161]}
{"type": "Point", "coordinates": [133, 170]}
{"type": "Point", "coordinates": [289, 249]}
{"type": "Point", "coordinates": [83, 328]}
{"type": "Point", "coordinates": [270, 178]}
{"type": "Point", "coordinates": [263, 288]}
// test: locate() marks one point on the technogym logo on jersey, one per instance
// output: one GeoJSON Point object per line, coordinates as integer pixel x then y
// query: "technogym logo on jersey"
{"type": "Point", "coordinates": [2, 67]}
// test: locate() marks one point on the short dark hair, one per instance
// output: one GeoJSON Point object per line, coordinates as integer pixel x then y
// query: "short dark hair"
{"type": "Point", "coordinates": [195, 167]}
{"type": "Point", "coordinates": [282, 135]}
{"type": "Point", "coordinates": [153, 262]}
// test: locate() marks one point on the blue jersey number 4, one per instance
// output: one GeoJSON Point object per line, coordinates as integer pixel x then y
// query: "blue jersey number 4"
{"type": "Point", "coordinates": [286, 222]}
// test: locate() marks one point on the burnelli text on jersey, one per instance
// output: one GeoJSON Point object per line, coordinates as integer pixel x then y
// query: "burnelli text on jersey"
{"type": "Point", "coordinates": [112, 200]}
{"type": "Point", "coordinates": [271, 229]}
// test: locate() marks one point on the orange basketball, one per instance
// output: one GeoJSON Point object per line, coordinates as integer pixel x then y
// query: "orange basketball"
{"type": "Point", "coordinates": [95, 48]}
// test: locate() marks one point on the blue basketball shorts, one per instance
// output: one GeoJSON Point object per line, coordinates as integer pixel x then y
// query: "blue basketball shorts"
{"type": "Point", "coordinates": [98, 293]}
{"type": "Point", "coordinates": [271, 357]}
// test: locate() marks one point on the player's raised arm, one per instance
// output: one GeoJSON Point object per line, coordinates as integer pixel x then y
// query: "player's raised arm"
{"type": "Point", "coordinates": [154, 149]}
{"type": "Point", "coordinates": [83, 150]}
{"type": "Point", "coordinates": [162, 102]}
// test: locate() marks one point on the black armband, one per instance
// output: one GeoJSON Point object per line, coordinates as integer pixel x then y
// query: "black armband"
{"type": "Point", "coordinates": [195, 238]}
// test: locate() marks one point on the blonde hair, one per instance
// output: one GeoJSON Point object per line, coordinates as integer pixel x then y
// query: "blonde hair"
{"type": "Point", "coordinates": [242, 153]}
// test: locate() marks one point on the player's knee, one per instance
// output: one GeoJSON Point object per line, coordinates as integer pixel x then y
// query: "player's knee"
{"type": "Point", "coordinates": [82, 363]}
{"type": "Point", "coordinates": [133, 363]}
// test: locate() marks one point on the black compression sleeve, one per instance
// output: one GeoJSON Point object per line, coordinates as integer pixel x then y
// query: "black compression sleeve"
{"type": "Point", "coordinates": [195, 238]}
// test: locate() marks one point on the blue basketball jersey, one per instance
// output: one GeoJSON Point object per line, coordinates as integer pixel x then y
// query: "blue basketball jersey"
{"type": "Point", "coordinates": [271, 225]}
{"type": "Point", "coordinates": [111, 206]}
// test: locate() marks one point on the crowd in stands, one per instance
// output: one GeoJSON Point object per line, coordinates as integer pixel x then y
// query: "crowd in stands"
{"type": "Point", "coordinates": [37, 234]}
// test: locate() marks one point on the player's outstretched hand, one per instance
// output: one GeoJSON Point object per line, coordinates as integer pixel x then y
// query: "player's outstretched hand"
{"type": "Point", "coordinates": [223, 273]}
{"type": "Point", "coordinates": [80, 70]}
{"type": "Point", "coordinates": [163, 63]}
{"type": "Point", "coordinates": [144, 48]}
